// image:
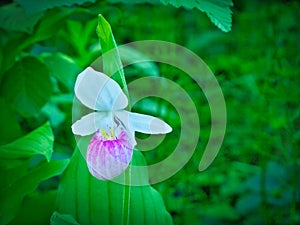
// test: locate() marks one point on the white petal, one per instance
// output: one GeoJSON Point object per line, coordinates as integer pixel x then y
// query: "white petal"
{"type": "Point", "coordinates": [143, 123]}
{"type": "Point", "coordinates": [90, 123]}
{"type": "Point", "coordinates": [99, 92]}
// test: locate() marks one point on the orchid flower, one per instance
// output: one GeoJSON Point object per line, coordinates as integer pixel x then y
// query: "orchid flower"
{"type": "Point", "coordinates": [111, 147]}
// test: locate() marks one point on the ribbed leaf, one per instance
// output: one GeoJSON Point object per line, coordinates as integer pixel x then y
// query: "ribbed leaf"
{"type": "Point", "coordinates": [91, 201]}
{"type": "Point", "coordinates": [217, 10]}
{"type": "Point", "coordinates": [38, 142]}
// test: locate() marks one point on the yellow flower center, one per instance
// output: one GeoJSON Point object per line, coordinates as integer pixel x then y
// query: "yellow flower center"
{"type": "Point", "coordinates": [108, 135]}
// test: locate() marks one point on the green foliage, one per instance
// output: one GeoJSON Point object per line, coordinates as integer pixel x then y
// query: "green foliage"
{"type": "Point", "coordinates": [31, 6]}
{"type": "Point", "coordinates": [14, 18]}
{"type": "Point", "coordinates": [18, 178]}
{"type": "Point", "coordinates": [8, 120]}
{"type": "Point", "coordinates": [36, 208]}
{"type": "Point", "coordinates": [20, 86]}
{"type": "Point", "coordinates": [62, 67]}
{"type": "Point", "coordinates": [217, 10]}
{"type": "Point", "coordinates": [38, 142]}
{"type": "Point", "coordinates": [13, 191]}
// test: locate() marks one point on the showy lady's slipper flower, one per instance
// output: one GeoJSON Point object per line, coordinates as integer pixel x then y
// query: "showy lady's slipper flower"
{"type": "Point", "coordinates": [110, 149]}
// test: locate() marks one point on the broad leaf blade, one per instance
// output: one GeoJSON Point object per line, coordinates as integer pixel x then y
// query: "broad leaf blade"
{"type": "Point", "coordinates": [11, 194]}
{"type": "Point", "coordinates": [39, 141]}
{"type": "Point", "coordinates": [36, 208]}
{"type": "Point", "coordinates": [62, 67]}
{"type": "Point", "coordinates": [11, 129]}
{"type": "Point", "coordinates": [14, 18]}
{"type": "Point", "coordinates": [91, 201]}
{"type": "Point", "coordinates": [27, 86]}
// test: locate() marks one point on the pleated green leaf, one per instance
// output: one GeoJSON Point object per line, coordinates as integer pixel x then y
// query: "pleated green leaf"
{"type": "Point", "coordinates": [38, 142]}
{"type": "Point", "coordinates": [92, 201]}
{"type": "Point", "coordinates": [217, 10]}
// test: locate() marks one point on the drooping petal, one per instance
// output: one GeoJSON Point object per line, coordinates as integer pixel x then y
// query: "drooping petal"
{"type": "Point", "coordinates": [143, 123]}
{"type": "Point", "coordinates": [99, 92]}
{"type": "Point", "coordinates": [90, 123]}
{"type": "Point", "coordinates": [107, 159]}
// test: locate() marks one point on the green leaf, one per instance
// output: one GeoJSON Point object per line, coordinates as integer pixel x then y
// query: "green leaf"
{"type": "Point", "coordinates": [54, 114]}
{"type": "Point", "coordinates": [62, 67]}
{"type": "Point", "coordinates": [217, 10]}
{"type": "Point", "coordinates": [8, 120]}
{"type": "Point", "coordinates": [11, 194]}
{"type": "Point", "coordinates": [36, 208]}
{"type": "Point", "coordinates": [14, 18]}
{"type": "Point", "coordinates": [39, 141]}
{"type": "Point", "coordinates": [110, 55]}
{"type": "Point", "coordinates": [92, 201]}
{"type": "Point", "coordinates": [46, 28]}
{"type": "Point", "coordinates": [62, 219]}
{"type": "Point", "coordinates": [27, 86]}
{"type": "Point", "coordinates": [33, 6]}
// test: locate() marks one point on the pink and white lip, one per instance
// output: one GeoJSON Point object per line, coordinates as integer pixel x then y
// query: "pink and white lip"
{"type": "Point", "coordinates": [108, 155]}
{"type": "Point", "coordinates": [110, 149]}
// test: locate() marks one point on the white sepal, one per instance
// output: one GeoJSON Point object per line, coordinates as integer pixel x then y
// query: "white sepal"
{"type": "Point", "coordinates": [99, 92]}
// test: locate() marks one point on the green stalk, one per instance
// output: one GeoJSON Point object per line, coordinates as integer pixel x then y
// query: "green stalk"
{"type": "Point", "coordinates": [126, 197]}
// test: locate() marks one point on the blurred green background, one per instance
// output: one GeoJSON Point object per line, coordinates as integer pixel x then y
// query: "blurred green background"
{"type": "Point", "coordinates": [255, 178]}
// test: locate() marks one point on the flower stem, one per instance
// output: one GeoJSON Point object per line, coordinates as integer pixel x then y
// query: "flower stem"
{"type": "Point", "coordinates": [126, 197]}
